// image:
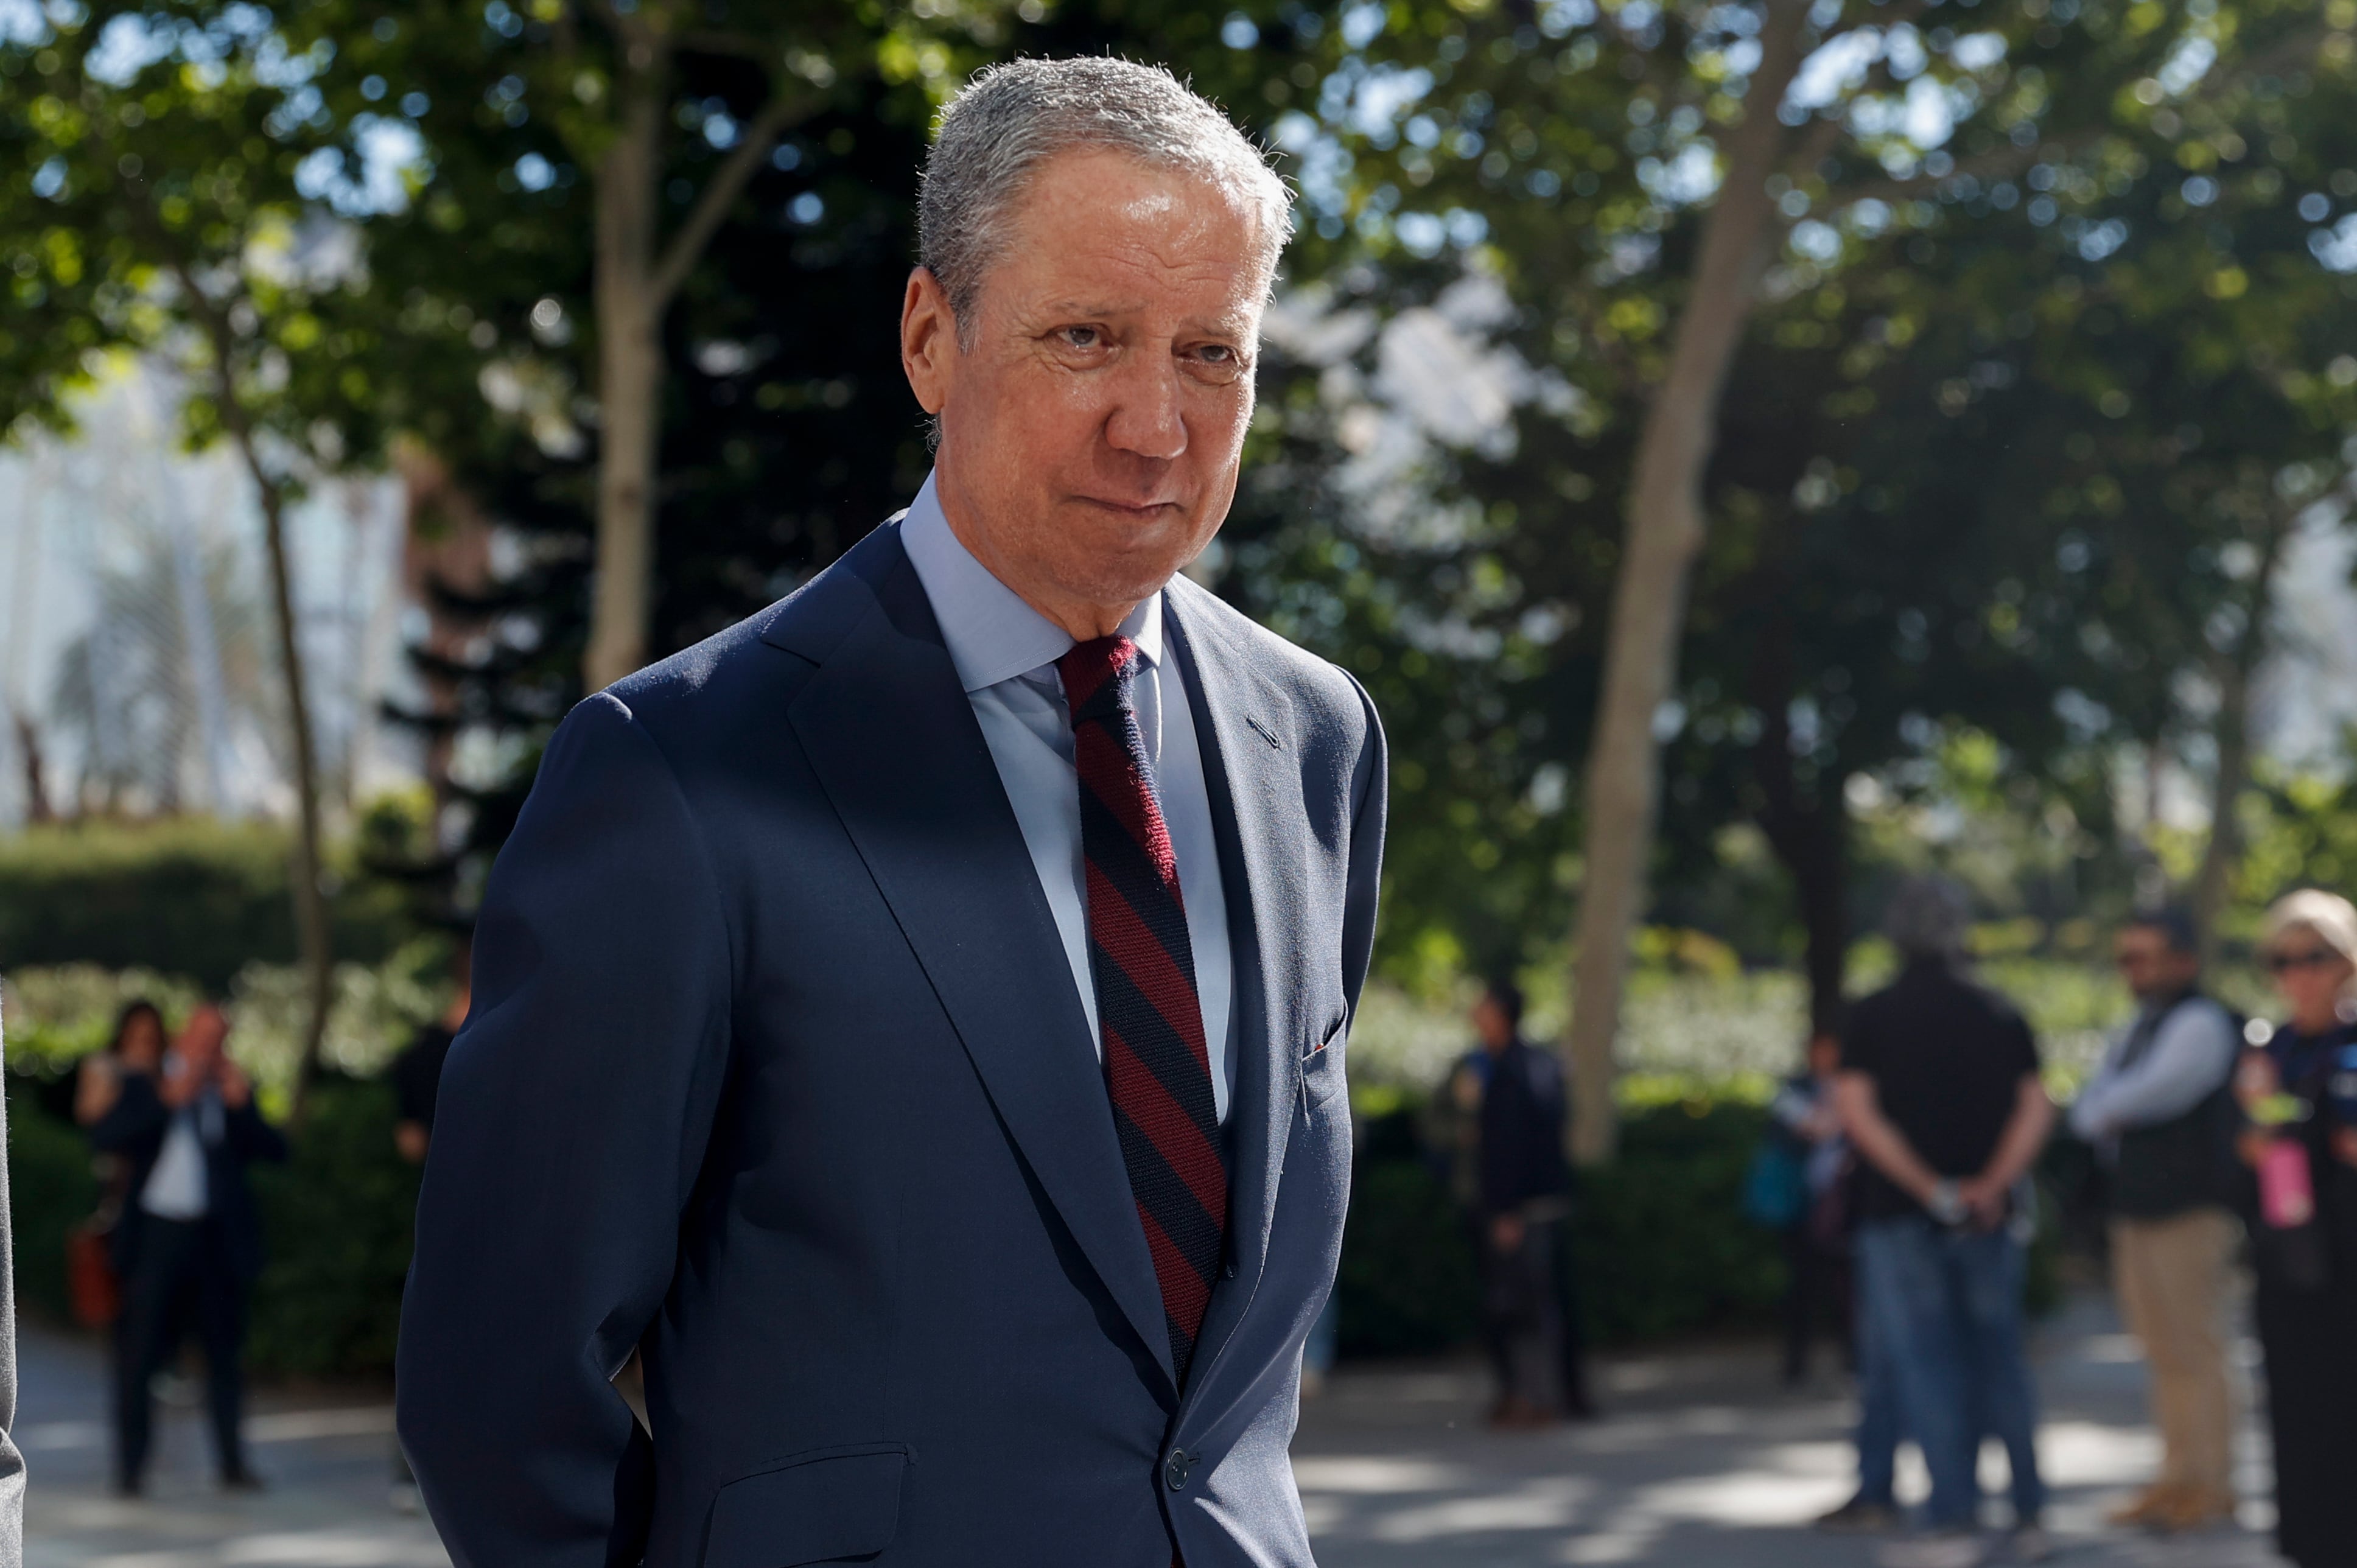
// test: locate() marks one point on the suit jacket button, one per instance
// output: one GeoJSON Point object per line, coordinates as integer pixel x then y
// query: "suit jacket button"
{"type": "Point", "coordinates": [1175, 1472]}
{"type": "Point", "coordinates": [1229, 1271]}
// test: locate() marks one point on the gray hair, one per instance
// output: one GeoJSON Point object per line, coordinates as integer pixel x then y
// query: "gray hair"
{"type": "Point", "coordinates": [1012, 118]}
{"type": "Point", "coordinates": [1928, 918]}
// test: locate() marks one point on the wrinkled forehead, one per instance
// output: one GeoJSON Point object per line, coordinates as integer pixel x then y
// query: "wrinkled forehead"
{"type": "Point", "coordinates": [1097, 228]}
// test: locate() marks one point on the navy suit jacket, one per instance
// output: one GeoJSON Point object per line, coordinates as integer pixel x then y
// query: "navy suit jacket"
{"type": "Point", "coordinates": [777, 1076]}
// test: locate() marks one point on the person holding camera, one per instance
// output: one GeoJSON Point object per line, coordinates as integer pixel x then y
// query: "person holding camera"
{"type": "Point", "coordinates": [189, 1241]}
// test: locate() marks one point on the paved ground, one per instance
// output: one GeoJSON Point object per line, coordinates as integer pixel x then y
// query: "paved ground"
{"type": "Point", "coordinates": [329, 1505]}
{"type": "Point", "coordinates": [1702, 1461]}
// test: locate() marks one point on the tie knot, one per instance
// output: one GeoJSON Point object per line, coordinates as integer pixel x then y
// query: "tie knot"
{"type": "Point", "coordinates": [1097, 678]}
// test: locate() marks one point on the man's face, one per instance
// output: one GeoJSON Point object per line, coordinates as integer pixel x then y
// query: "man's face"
{"type": "Point", "coordinates": [1091, 432]}
{"type": "Point", "coordinates": [2151, 966]}
{"type": "Point", "coordinates": [202, 1037]}
{"type": "Point", "coordinates": [1492, 1024]}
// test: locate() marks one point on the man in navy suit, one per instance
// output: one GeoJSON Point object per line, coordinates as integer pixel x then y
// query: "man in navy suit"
{"type": "Point", "coordinates": [907, 1035]}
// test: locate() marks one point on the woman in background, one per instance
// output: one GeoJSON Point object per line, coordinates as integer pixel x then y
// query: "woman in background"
{"type": "Point", "coordinates": [137, 1048]}
{"type": "Point", "coordinates": [2299, 1095]}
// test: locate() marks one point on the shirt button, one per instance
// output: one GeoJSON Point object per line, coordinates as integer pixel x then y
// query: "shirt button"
{"type": "Point", "coordinates": [1175, 1472]}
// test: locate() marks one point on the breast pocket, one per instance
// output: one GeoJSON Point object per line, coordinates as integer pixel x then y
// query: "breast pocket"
{"type": "Point", "coordinates": [1321, 1067]}
{"type": "Point", "coordinates": [822, 1507]}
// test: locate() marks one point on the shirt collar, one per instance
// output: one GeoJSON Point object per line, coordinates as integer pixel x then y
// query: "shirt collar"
{"type": "Point", "coordinates": [992, 635]}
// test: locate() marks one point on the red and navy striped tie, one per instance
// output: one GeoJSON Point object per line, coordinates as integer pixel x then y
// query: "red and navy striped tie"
{"type": "Point", "coordinates": [1158, 1067]}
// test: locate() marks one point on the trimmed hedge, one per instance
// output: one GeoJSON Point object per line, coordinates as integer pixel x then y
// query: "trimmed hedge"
{"type": "Point", "coordinates": [183, 896]}
{"type": "Point", "coordinates": [340, 1214]}
{"type": "Point", "coordinates": [51, 1189]}
{"type": "Point", "coordinates": [337, 1216]}
{"type": "Point", "coordinates": [1660, 1243]}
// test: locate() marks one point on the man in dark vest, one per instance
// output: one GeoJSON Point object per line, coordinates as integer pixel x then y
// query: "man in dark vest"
{"type": "Point", "coordinates": [2158, 1108]}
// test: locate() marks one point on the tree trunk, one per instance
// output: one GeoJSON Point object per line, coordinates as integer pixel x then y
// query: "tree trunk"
{"type": "Point", "coordinates": [312, 935]}
{"type": "Point", "coordinates": [28, 756]}
{"type": "Point", "coordinates": [2231, 735]}
{"type": "Point", "coordinates": [1664, 530]}
{"type": "Point", "coordinates": [630, 382]}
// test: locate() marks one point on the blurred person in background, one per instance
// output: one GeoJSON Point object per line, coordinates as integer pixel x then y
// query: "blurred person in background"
{"type": "Point", "coordinates": [416, 1075]}
{"type": "Point", "coordinates": [2159, 1114]}
{"type": "Point", "coordinates": [2299, 1095]}
{"type": "Point", "coordinates": [1940, 1092]}
{"type": "Point", "coordinates": [1519, 1194]}
{"type": "Point", "coordinates": [189, 1241]}
{"type": "Point", "coordinates": [1816, 1237]}
{"type": "Point", "coordinates": [135, 1049]}
{"type": "Point", "coordinates": [417, 1071]}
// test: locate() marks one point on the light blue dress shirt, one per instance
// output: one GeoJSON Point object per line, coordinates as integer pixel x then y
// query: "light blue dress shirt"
{"type": "Point", "coordinates": [2193, 1053]}
{"type": "Point", "coordinates": [1005, 655]}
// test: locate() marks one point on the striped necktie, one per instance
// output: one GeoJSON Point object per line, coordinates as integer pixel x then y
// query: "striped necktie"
{"type": "Point", "coordinates": [1157, 1069]}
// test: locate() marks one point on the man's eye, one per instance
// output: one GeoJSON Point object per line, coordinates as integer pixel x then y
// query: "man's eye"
{"type": "Point", "coordinates": [1081, 336]}
{"type": "Point", "coordinates": [1217, 361]}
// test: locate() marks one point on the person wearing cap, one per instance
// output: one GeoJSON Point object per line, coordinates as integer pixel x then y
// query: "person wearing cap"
{"type": "Point", "coordinates": [1940, 1094]}
{"type": "Point", "coordinates": [2158, 1112]}
{"type": "Point", "coordinates": [2300, 1092]}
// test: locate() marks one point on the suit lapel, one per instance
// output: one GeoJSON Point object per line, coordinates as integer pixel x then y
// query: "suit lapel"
{"type": "Point", "coordinates": [891, 736]}
{"type": "Point", "coordinates": [1238, 716]}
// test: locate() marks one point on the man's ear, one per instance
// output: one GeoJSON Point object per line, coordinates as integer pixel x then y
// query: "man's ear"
{"type": "Point", "coordinates": [929, 345]}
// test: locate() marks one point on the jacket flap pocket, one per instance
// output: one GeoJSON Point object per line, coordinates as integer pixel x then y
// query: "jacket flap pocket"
{"type": "Point", "coordinates": [837, 1505]}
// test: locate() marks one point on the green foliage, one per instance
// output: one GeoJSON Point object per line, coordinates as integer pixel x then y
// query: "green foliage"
{"type": "Point", "coordinates": [51, 1189]}
{"type": "Point", "coordinates": [338, 1219]}
{"type": "Point", "coordinates": [186, 897]}
{"type": "Point", "coordinates": [1660, 1243]}
{"type": "Point", "coordinates": [1408, 1281]}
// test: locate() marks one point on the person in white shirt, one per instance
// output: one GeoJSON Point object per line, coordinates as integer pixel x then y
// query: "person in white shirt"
{"type": "Point", "coordinates": [190, 1235]}
{"type": "Point", "coordinates": [2160, 1113]}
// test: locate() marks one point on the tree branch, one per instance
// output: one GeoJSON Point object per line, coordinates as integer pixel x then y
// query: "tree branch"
{"type": "Point", "coordinates": [721, 192]}
{"type": "Point", "coordinates": [629, 27]}
{"type": "Point", "coordinates": [1999, 162]}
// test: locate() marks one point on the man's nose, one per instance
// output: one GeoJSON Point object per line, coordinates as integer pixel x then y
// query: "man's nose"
{"type": "Point", "coordinates": [1147, 418]}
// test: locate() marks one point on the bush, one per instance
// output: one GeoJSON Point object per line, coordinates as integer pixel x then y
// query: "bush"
{"type": "Point", "coordinates": [1408, 1281]}
{"type": "Point", "coordinates": [1659, 1238]}
{"type": "Point", "coordinates": [341, 1216]}
{"type": "Point", "coordinates": [337, 1217]}
{"type": "Point", "coordinates": [1659, 1241]}
{"type": "Point", "coordinates": [185, 896]}
{"type": "Point", "coordinates": [1659, 1244]}
{"type": "Point", "coordinates": [51, 1189]}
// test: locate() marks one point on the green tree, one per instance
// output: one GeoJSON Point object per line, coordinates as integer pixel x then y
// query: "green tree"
{"type": "Point", "coordinates": [155, 195]}
{"type": "Point", "coordinates": [662, 112]}
{"type": "Point", "coordinates": [1650, 223]}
